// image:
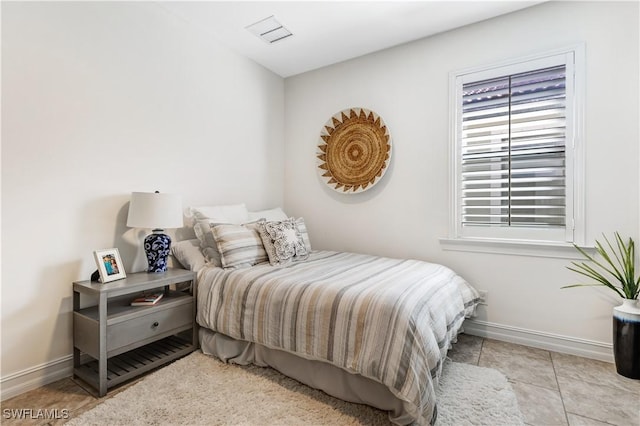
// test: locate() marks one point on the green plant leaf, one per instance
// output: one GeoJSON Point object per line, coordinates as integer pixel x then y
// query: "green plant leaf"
{"type": "Point", "coordinates": [605, 256]}
{"type": "Point", "coordinates": [615, 270]}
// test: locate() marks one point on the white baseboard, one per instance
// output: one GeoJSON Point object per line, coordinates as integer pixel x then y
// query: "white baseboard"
{"type": "Point", "coordinates": [553, 342]}
{"type": "Point", "coordinates": [46, 373]}
{"type": "Point", "coordinates": [35, 377]}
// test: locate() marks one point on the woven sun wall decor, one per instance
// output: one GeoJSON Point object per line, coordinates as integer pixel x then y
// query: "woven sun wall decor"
{"type": "Point", "coordinates": [354, 150]}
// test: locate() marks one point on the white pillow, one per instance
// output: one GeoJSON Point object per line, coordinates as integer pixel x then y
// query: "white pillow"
{"type": "Point", "coordinates": [268, 215]}
{"type": "Point", "coordinates": [188, 254]}
{"type": "Point", "coordinates": [233, 213]}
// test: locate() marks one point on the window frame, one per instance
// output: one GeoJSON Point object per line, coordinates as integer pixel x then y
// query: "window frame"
{"type": "Point", "coordinates": [514, 239]}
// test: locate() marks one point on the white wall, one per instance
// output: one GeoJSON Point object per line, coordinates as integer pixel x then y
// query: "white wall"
{"type": "Point", "coordinates": [407, 212]}
{"type": "Point", "coordinates": [100, 99]}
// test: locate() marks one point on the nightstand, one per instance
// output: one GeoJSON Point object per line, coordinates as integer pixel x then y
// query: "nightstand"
{"type": "Point", "coordinates": [114, 341]}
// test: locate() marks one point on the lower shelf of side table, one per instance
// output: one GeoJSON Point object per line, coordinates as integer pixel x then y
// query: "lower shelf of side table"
{"type": "Point", "coordinates": [130, 364]}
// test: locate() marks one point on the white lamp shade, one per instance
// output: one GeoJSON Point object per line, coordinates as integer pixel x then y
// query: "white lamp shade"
{"type": "Point", "coordinates": [155, 210]}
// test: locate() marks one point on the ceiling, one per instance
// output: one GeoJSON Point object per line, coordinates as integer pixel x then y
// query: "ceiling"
{"type": "Point", "coordinates": [327, 32]}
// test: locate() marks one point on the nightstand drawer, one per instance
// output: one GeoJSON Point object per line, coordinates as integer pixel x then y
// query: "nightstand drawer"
{"type": "Point", "coordinates": [153, 325]}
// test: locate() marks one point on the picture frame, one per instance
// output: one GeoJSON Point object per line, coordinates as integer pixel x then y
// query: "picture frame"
{"type": "Point", "coordinates": [110, 266]}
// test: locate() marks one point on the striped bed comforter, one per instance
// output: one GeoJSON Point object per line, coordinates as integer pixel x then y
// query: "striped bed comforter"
{"type": "Point", "coordinates": [389, 320]}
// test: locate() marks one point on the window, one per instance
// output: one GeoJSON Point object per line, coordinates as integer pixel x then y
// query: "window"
{"type": "Point", "coordinates": [517, 150]}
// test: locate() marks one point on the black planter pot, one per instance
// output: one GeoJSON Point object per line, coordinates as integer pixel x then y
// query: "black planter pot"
{"type": "Point", "coordinates": [626, 339]}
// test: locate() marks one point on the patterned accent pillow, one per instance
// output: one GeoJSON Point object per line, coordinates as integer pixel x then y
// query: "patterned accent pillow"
{"type": "Point", "coordinates": [240, 246]}
{"type": "Point", "coordinates": [282, 241]}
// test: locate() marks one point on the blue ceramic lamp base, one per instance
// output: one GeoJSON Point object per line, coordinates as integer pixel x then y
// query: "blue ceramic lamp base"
{"type": "Point", "coordinates": [157, 247]}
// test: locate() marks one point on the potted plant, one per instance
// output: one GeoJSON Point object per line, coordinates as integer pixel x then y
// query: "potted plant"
{"type": "Point", "coordinates": [616, 271]}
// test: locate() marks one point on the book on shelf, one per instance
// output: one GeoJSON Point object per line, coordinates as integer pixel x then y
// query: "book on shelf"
{"type": "Point", "coordinates": [147, 299]}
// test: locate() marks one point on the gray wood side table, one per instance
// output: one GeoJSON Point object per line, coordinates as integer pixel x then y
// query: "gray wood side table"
{"type": "Point", "coordinates": [114, 341]}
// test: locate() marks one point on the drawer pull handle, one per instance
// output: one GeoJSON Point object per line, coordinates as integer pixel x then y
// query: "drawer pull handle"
{"type": "Point", "coordinates": [155, 324]}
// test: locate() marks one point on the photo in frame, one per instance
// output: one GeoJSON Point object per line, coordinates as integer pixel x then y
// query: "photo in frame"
{"type": "Point", "coordinates": [110, 266]}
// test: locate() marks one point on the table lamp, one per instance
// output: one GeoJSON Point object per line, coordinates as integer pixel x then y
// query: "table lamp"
{"type": "Point", "coordinates": [155, 211]}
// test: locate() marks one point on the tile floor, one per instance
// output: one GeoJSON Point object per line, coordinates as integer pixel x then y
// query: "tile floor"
{"type": "Point", "coordinates": [552, 388]}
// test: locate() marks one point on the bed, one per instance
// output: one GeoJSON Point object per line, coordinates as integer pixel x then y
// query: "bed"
{"type": "Point", "coordinates": [366, 329]}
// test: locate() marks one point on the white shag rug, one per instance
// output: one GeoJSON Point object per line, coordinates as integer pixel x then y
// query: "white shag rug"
{"type": "Point", "coordinates": [201, 390]}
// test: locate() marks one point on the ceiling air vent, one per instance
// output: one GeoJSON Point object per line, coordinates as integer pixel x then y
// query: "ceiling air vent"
{"type": "Point", "coordinates": [269, 30]}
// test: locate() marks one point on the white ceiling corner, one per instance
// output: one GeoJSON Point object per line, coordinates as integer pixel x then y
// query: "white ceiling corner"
{"type": "Point", "coordinates": [328, 32]}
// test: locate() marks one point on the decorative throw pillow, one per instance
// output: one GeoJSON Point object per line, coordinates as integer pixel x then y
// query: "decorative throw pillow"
{"type": "Point", "coordinates": [302, 228]}
{"type": "Point", "coordinates": [208, 245]}
{"type": "Point", "coordinates": [282, 241]}
{"type": "Point", "coordinates": [207, 215]}
{"type": "Point", "coordinates": [239, 246]}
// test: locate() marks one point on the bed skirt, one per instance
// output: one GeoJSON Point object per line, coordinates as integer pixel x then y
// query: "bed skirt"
{"type": "Point", "coordinates": [316, 374]}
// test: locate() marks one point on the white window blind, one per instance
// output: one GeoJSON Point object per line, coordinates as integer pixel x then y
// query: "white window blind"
{"type": "Point", "coordinates": [517, 160]}
{"type": "Point", "coordinates": [513, 150]}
